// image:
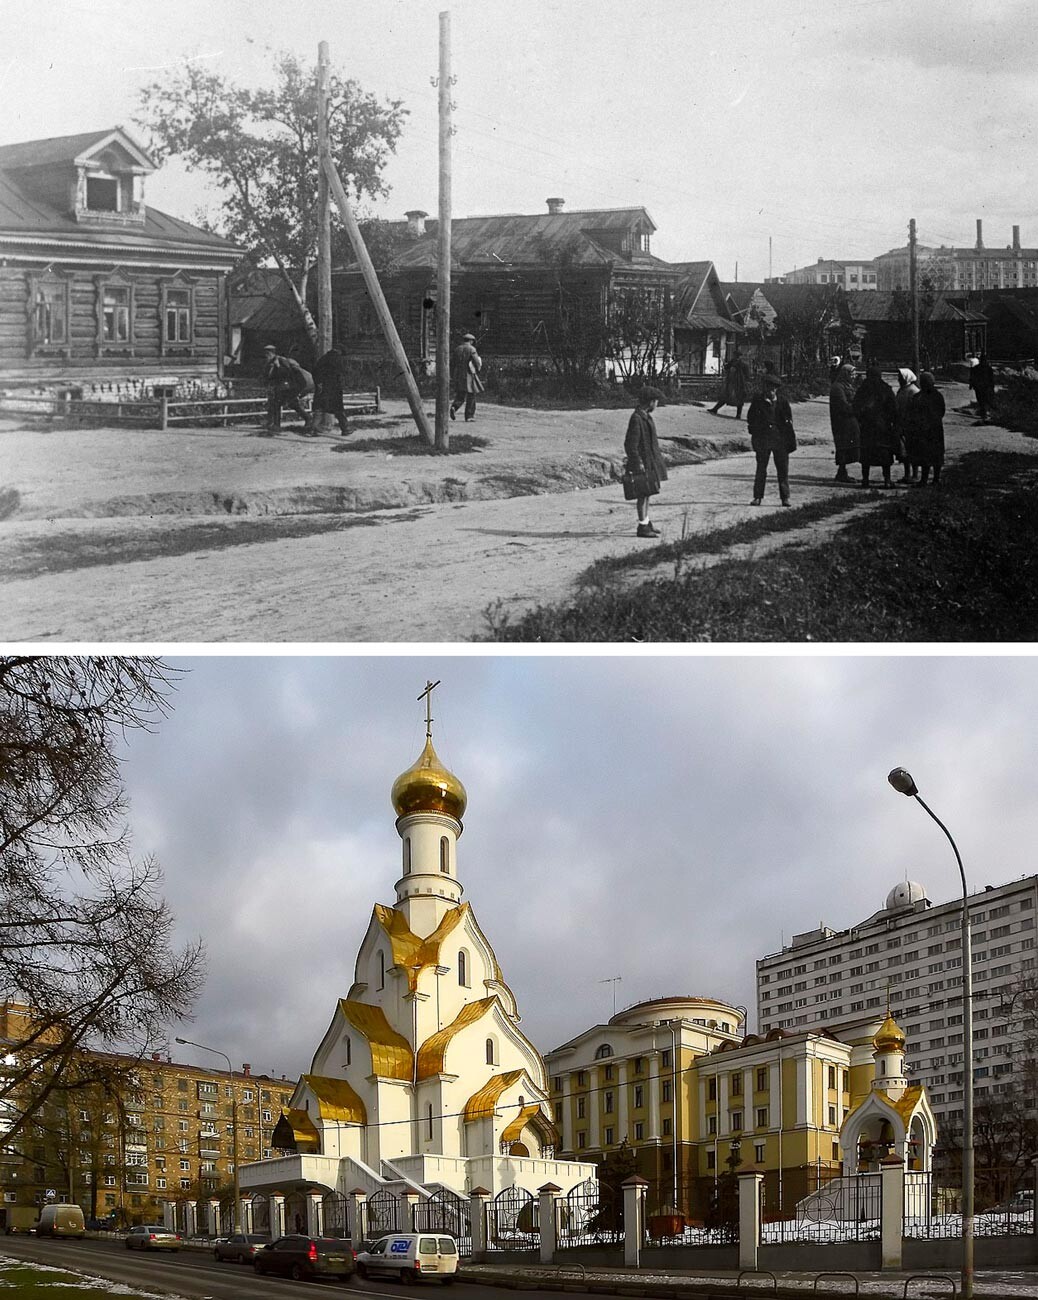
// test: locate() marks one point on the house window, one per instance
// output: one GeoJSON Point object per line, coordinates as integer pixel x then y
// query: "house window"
{"type": "Point", "coordinates": [608, 1103]}
{"type": "Point", "coordinates": [666, 1127]}
{"type": "Point", "coordinates": [711, 1162]}
{"type": "Point", "coordinates": [115, 314]}
{"type": "Point", "coordinates": [666, 1090]}
{"type": "Point", "coordinates": [581, 1141]}
{"type": "Point", "coordinates": [832, 1076]}
{"type": "Point", "coordinates": [711, 1089]}
{"type": "Point", "coordinates": [603, 1051]}
{"type": "Point", "coordinates": [762, 1079]}
{"type": "Point", "coordinates": [711, 1123]}
{"type": "Point", "coordinates": [737, 1120]}
{"type": "Point", "coordinates": [580, 1107]}
{"type": "Point", "coordinates": [639, 1132]}
{"type": "Point", "coordinates": [50, 313]}
{"type": "Point", "coordinates": [758, 1152]}
{"type": "Point", "coordinates": [102, 193]}
{"type": "Point", "coordinates": [736, 1085]}
{"type": "Point", "coordinates": [445, 855]}
{"type": "Point", "coordinates": [609, 1137]}
{"type": "Point", "coordinates": [762, 1117]}
{"type": "Point", "coordinates": [638, 1098]}
{"type": "Point", "coordinates": [177, 316]}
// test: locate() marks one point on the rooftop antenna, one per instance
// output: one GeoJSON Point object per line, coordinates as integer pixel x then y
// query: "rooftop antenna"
{"type": "Point", "coordinates": [616, 979]}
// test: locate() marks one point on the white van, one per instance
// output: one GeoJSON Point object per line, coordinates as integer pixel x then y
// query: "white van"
{"type": "Point", "coordinates": [61, 1221]}
{"type": "Point", "coordinates": [410, 1256]}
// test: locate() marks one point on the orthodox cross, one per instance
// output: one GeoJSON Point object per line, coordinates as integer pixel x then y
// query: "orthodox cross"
{"type": "Point", "coordinates": [427, 693]}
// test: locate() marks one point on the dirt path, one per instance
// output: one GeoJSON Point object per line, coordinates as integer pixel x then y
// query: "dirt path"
{"type": "Point", "coordinates": [422, 574]}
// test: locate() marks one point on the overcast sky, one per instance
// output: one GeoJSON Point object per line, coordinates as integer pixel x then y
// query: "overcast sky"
{"type": "Point", "coordinates": [667, 820]}
{"type": "Point", "coordinates": [822, 125]}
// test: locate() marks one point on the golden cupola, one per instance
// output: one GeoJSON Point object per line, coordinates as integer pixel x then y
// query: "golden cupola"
{"type": "Point", "coordinates": [429, 787]}
{"type": "Point", "coordinates": [890, 1037]}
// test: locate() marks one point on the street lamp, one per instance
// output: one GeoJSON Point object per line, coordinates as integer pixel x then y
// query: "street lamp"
{"type": "Point", "coordinates": [903, 784]}
{"type": "Point", "coordinates": [234, 1125]}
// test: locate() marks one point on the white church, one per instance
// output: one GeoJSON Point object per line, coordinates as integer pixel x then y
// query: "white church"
{"type": "Point", "coordinates": [423, 1080]}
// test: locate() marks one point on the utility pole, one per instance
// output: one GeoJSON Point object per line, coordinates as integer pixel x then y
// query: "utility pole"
{"type": "Point", "coordinates": [443, 244]}
{"type": "Point", "coordinates": [913, 290]}
{"type": "Point", "coordinates": [324, 218]}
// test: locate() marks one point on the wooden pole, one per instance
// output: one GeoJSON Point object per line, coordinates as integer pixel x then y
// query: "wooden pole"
{"type": "Point", "coordinates": [324, 220]}
{"type": "Point", "coordinates": [378, 299]}
{"type": "Point", "coordinates": [913, 290]}
{"type": "Point", "coordinates": [443, 258]}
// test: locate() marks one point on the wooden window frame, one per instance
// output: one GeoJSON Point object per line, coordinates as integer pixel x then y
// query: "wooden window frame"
{"type": "Point", "coordinates": [178, 283]}
{"type": "Point", "coordinates": [61, 281]}
{"type": "Point", "coordinates": [118, 280]}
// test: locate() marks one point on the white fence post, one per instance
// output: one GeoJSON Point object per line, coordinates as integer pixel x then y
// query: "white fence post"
{"type": "Point", "coordinates": [479, 1197]}
{"type": "Point", "coordinates": [749, 1218]}
{"type": "Point", "coordinates": [634, 1219]}
{"type": "Point", "coordinates": [358, 1199]}
{"type": "Point", "coordinates": [892, 1211]}
{"type": "Point", "coordinates": [547, 1196]}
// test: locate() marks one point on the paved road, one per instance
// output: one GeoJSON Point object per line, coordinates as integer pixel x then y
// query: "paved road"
{"type": "Point", "coordinates": [424, 574]}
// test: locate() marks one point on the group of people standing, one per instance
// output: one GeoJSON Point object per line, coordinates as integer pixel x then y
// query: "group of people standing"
{"type": "Point", "coordinates": [873, 426]}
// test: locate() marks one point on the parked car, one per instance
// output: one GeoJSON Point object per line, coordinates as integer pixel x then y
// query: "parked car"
{"type": "Point", "coordinates": [411, 1256]}
{"type": "Point", "coordinates": [61, 1221]}
{"type": "Point", "coordinates": [302, 1257]}
{"type": "Point", "coordinates": [102, 1225]}
{"type": "Point", "coordinates": [240, 1248]}
{"type": "Point", "coordinates": [152, 1236]}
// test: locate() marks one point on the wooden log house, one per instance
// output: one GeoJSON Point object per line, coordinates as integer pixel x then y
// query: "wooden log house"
{"type": "Point", "coordinates": [95, 286]}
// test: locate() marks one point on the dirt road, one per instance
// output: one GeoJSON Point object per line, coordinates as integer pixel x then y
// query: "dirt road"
{"type": "Point", "coordinates": [218, 537]}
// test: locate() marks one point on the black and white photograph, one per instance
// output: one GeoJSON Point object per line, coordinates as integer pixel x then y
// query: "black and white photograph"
{"type": "Point", "coordinates": [524, 322]}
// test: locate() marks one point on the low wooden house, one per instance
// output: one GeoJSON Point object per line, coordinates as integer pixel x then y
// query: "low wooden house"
{"type": "Point", "coordinates": [94, 284]}
{"type": "Point", "coordinates": [526, 286]}
{"type": "Point", "coordinates": [705, 330]}
{"type": "Point", "coordinates": [948, 330]}
{"type": "Point", "coordinates": [1012, 321]}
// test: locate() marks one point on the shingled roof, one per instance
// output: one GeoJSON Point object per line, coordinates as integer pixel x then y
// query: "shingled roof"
{"type": "Point", "coordinates": [881, 305]}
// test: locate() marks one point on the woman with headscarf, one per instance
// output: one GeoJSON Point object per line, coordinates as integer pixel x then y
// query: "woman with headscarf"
{"type": "Point", "coordinates": [907, 387]}
{"type": "Point", "coordinates": [876, 410]}
{"type": "Point", "coordinates": [927, 428]}
{"type": "Point", "coordinates": [844, 423]}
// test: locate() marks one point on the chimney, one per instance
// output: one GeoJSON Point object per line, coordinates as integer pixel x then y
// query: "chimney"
{"type": "Point", "coordinates": [980, 234]}
{"type": "Point", "coordinates": [1016, 239]}
{"type": "Point", "coordinates": [246, 1069]}
{"type": "Point", "coordinates": [555, 206]}
{"type": "Point", "coordinates": [416, 221]}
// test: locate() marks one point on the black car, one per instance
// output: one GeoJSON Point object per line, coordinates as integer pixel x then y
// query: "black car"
{"type": "Point", "coordinates": [241, 1248]}
{"type": "Point", "coordinates": [306, 1257]}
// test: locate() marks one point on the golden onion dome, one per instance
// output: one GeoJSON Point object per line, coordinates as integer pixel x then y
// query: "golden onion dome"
{"type": "Point", "coordinates": [890, 1035]}
{"type": "Point", "coordinates": [427, 786]}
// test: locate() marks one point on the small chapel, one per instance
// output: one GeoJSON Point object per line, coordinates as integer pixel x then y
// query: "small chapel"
{"type": "Point", "coordinates": [423, 1083]}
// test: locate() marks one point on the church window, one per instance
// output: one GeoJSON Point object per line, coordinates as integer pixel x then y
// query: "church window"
{"type": "Point", "coordinates": [603, 1051]}
{"type": "Point", "coordinates": [522, 1101]}
{"type": "Point", "coordinates": [490, 1052]}
{"type": "Point", "coordinates": [348, 1049]}
{"type": "Point", "coordinates": [381, 969]}
{"type": "Point", "coordinates": [429, 1121]}
{"type": "Point", "coordinates": [445, 855]}
{"type": "Point", "coordinates": [407, 855]}
{"type": "Point", "coordinates": [463, 969]}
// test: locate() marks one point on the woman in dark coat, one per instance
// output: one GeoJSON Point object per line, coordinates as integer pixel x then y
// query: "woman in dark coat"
{"type": "Point", "coordinates": [844, 423]}
{"type": "Point", "coordinates": [907, 388]}
{"type": "Point", "coordinates": [770, 422]}
{"type": "Point", "coordinates": [982, 381]}
{"type": "Point", "coordinates": [736, 383]}
{"type": "Point", "coordinates": [875, 406]}
{"type": "Point", "coordinates": [926, 430]}
{"type": "Point", "coordinates": [642, 450]}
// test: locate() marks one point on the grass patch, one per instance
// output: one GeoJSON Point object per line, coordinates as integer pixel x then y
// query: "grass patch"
{"type": "Point", "coordinates": [43, 1282]}
{"type": "Point", "coordinates": [958, 564]}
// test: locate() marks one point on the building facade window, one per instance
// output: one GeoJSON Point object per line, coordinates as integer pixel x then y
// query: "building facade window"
{"type": "Point", "coordinates": [463, 973]}
{"type": "Point", "coordinates": [177, 317]}
{"type": "Point", "coordinates": [445, 855]}
{"type": "Point", "coordinates": [490, 1052]}
{"type": "Point", "coordinates": [116, 301]}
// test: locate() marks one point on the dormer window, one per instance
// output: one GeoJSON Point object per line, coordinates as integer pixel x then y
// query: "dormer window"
{"type": "Point", "coordinates": [102, 193]}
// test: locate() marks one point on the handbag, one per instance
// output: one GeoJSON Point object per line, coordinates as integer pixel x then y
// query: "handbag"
{"type": "Point", "coordinates": [636, 484]}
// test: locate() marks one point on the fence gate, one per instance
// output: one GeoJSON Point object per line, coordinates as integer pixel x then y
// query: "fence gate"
{"type": "Point", "coordinates": [512, 1220]}
{"type": "Point", "coordinates": [590, 1214]}
{"type": "Point", "coordinates": [444, 1211]}
{"type": "Point", "coordinates": [335, 1214]}
{"type": "Point", "coordinates": [384, 1214]}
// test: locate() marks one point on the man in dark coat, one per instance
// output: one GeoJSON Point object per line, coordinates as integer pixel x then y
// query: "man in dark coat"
{"type": "Point", "coordinates": [287, 382]}
{"type": "Point", "coordinates": [982, 381]}
{"type": "Point", "coordinates": [844, 423]}
{"type": "Point", "coordinates": [736, 383]}
{"type": "Point", "coordinates": [467, 383]}
{"type": "Point", "coordinates": [875, 406]}
{"type": "Point", "coordinates": [328, 382]}
{"type": "Point", "coordinates": [926, 430]}
{"type": "Point", "coordinates": [642, 449]}
{"type": "Point", "coordinates": [770, 422]}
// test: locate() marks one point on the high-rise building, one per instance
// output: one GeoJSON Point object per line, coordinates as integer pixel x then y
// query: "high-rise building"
{"type": "Point", "coordinates": [908, 955]}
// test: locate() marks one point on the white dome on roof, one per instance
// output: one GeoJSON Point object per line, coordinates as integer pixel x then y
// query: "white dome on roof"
{"type": "Point", "coordinates": [905, 894]}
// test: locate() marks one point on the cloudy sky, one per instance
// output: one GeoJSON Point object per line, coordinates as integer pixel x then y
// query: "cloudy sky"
{"type": "Point", "coordinates": [821, 126]}
{"type": "Point", "coordinates": [667, 820]}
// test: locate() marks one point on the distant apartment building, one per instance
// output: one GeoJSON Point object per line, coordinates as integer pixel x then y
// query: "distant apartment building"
{"type": "Point", "coordinates": [908, 955]}
{"type": "Point", "coordinates": [848, 274]}
{"type": "Point", "coordinates": [155, 1147]}
{"type": "Point", "coordinates": [955, 269]}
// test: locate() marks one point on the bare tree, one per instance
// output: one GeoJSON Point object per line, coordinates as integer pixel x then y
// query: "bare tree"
{"type": "Point", "coordinates": [87, 958]}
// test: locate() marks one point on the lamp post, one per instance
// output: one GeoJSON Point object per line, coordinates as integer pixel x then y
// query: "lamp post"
{"type": "Point", "coordinates": [903, 784]}
{"type": "Point", "coordinates": [234, 1125]}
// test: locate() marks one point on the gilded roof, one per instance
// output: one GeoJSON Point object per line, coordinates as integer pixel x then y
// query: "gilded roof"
{"type": "Point", "coordinates": [391, 1055]}
{"type": "Point", "coordinates": [335, 1099]}
{"type": "Point", "coordinates": [434, 1049]}
{"type": "Point", "coordinates": [514, 1130]}
{"type": "Point", "coordinates": [299, 1124]}
{"type": "Point", "coordinates": [890, 1034]}
{"type": "Point", "coordinates": [907, 1102]}
{"type": "Point", "coordinates": [409, 951]}
{"type": "Point", "coordinates": [484, 1102]}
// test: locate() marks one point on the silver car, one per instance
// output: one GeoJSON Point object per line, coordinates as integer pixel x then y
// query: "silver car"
{"type": "Point", "coordinates": [152, 1236]}
{"type": "Point", "coordinates": [240, 1248]}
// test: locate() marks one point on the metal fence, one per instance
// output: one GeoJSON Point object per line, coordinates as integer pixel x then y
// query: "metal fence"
{"type": "Point", "coordinates": [590, 1214]}
{"type": "Point", "coordinates": [335, 1214]}
{"type": "Point", "coordinates": [513, 1220]}
{"type": "Point", "coordinates": [845, 1209]}
{"type": "Point", "coordinates": [384, 1214]}
{"type": "Point", "coordinates": [445, 1211]}
{"type": "Point", "coordinates": [1004, 1205]}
